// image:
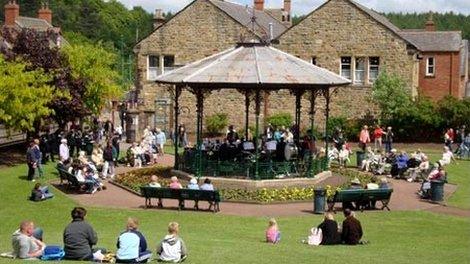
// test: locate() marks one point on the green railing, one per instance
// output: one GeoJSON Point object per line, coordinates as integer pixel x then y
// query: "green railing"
{"type": "Point", "coordinates": [246, 169]}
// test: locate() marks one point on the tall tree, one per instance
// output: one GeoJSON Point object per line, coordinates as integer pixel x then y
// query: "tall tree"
{"type": "Point", "coordinates": [24, 95]}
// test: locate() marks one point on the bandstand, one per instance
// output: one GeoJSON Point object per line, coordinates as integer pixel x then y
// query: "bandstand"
{"type": "Point", "coordinates": [254, 69]}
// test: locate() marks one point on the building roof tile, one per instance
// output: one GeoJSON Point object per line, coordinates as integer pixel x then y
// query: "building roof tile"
{"type": "Point", "coordinates": [435, 40]}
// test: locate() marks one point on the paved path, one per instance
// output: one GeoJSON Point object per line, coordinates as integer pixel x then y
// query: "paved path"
{"type": "Point", "coordinates": [404, 198]}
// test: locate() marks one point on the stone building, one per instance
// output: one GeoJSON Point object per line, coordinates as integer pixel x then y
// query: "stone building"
{"type": "Point", "coordinates": [201, 29]}
{"type": "Point", "coordinates": [340, 35]}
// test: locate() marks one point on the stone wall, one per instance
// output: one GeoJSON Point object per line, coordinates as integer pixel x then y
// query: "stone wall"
{"type": "Point", "coordinates": [339, 29]}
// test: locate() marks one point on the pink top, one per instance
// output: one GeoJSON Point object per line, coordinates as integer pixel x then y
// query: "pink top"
{"type": "Point", "coordinates": [175, 185]}
{"type": "Point", "coordinates": [272, 234]}
{"type": "Point", "coordinates": [364, 137]}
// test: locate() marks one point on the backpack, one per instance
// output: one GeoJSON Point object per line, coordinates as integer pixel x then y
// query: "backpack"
{"type": "Point", "coordinates": [315, 237]}
{"type": "Point", "coordinates": [53, 253]}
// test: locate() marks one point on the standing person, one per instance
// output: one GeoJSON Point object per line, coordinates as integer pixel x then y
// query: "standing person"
{"type": "Point", "coordinates": [329, 228]}
{"type": "Point", "coordinates": [338, 139]}
{"type": "Point", "coordinates": [132, 245]}
{"type": "Point", "coordinates": [116, 141]}
{"type": "Point", "coordinates": [31, 161]}
{"type": "Point", "coordinates": [268, 132]}
{"type": "Point", "coordinates": [64, 151]}
{"type": "Point", "coordinates": [25, 245]}
{"type": "Point", "coordinates": [182, 136]}
{"type": "Point", "coordinates": [232, 135]}
{"type": "Point", "coordinates": [388, 139]}
{"type": "Point", "coordinates": [378, 133]}
{"type": "Point", "coordinates": [160, 140]}
{"type": "Point", "coordinates": [364, 138]}
{"type": "Point", "coordinates": [172, 247]}
{"type": "Point", "coordinates": [79, 237]}
{"type": "Point", "coordinates": [352, 229]}
{"type": "Point", "coordinates": [39, 172]}
{"type": "Point", "coordinates": [109, 156]}
{"type": "Point", "coordinates": [449, 138]}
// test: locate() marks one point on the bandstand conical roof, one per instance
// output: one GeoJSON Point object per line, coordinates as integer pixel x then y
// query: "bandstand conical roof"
{"type": "Point", "coordinates": [252, 65]}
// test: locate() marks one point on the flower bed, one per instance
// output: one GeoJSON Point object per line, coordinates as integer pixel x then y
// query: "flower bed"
{"type": "Point", "coordinates": [141, 177]}
{"type": "Point", "coordinates": [135, 179]}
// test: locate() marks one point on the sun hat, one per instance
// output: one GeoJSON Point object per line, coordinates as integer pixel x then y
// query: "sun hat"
{"type": "Point", "coordinates": [193, 181]}
{"type": "Point", "coordinates": [355, 181]}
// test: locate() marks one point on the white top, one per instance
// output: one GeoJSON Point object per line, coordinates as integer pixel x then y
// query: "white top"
{"type": "Point", "coordinates": [64, 152]}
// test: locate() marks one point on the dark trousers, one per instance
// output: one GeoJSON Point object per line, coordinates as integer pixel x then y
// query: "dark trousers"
{"type": "Point", "coordinates": [31, 171]}
{"type": "Point", "coordinates": [388, 147]}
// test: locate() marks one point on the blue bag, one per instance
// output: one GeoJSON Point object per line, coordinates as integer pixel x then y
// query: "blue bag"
{"type": "Point", "coordinates": [53, 253]}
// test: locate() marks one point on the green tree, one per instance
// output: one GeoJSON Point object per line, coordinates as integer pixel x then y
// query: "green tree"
{"type": "Point", "coordinates": [24, 95]}
{"type": "Point", "coordinates": [390, 94]}
{"type": "Point", "coordinates": [95, 66]}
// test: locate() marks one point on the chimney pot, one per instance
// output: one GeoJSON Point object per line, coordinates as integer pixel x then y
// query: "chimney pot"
{"type": "Point", "coordinates": [259, 5]}
{"type": "Point", "coordinates": [287, 6]}
{"type": "Point", "coordinates": [12, 12]}
{"type": "Point", "coordinates": [158, 18]}
{"type": "Point", "coordinates": [45, 13]}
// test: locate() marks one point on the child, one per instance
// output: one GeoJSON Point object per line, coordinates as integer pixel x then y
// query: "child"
{"type": "Point", "coordinates": [207, 186]}
{"type": "Point", "coordinates": [154, 182]}
{"type": "Point", "coordinates": [175, 184]}
{"type": "Point", "coordinates": [172, 247]}
{"type": "Point", "coordinates": [272, 233]}
{"type": "Point", "coordinates": [40, 193]}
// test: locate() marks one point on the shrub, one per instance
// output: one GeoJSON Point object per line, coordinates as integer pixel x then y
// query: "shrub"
{"type": "Point", "coordinates": [268, 195]}
{"type": "Point", "coordinates": [216, 123]}
{"type": "Point", "coordinates": [135, 179]}
{"type": "Point", "coordinates": [279, 120]}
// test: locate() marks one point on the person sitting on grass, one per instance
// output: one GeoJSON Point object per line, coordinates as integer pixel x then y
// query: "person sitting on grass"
{"type": "Point", "coordinates": [172, 248]}
{"type": "Point", "coordinates": [25, 244]}
{"type": "Point", "coordinates": [131, 244]}
{"type": "Point", "coordinates": [329, 228]}
{"type": "Point", "coordinates": [193, 184]}
{"type": "Point", "coordinates": [40, 193]}
{"type": "Point", "coordinates": [273, 235]}
{"type": "Point", "coordinates": [447, 157]}
{"type": "Point", "coordinates": [79, 237]}
{"type": "Point", "coordinates": [175, 183]}
{"type": "Point", "coordinates": [352, 229]}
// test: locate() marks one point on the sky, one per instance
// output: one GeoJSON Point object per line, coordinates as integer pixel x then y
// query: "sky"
{"type": "Point", "coordinates": [300, 7]}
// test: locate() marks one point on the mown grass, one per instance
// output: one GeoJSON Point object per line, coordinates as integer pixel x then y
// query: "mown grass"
{"type": "Point", "coordinates": [396, 237]}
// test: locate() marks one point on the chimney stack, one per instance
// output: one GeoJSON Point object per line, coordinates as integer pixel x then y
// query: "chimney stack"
{"type": "Point", "coordinates": [287, 6]}
{"type": "Point", "coordinates": [430, 25]}
{"type": "Point", "coordinates": [259, 5]}
{"type": "Point", "coordinates": [45, 13]}
{"type": "Point", "coordinates": [158, 18]}
{"type": "Point", "coordinates": [12, 12]}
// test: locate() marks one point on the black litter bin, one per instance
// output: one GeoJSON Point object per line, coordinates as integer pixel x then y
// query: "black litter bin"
{"type": "Point", "coordinates": [360, 156]}
{"type": "Point", "coordinates": [437, 191]}
{"type": "Point", "coordinates": [319, 200]}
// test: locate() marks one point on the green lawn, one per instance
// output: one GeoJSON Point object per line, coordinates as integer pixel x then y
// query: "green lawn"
{"type": "Point", "coordinates": [396, 237]}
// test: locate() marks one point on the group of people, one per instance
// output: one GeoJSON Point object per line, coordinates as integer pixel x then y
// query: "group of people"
{"type": "Point", "coordinates": [80, 240]}
{"type": "Point", "coordinates": [327, 233]}
{"type": "Point", "coordinates": [461, 137]}
{"type": "Point", "coordinates": [147, 151]}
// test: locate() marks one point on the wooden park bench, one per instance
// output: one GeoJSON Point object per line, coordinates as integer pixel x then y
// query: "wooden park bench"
{"type": "Point", "coordinates": [213, 197]}
{"type": "Point", "coordinates": [361, 197]}
{"type": "Point", "coordinates": [72, 181]}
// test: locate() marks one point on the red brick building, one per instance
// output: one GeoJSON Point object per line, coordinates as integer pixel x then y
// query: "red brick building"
{"type": "Point", "coordinates": [443, 67]}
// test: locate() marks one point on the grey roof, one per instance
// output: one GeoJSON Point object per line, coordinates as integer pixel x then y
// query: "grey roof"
{"type": "Point", "coordinates": [33, 23]}
{"type": "Point", "coordinates": [243, 14]}
{"type": "Point", "coordinates": [435, 40]}
{"type": "Point", "coordinates": [252, 65]}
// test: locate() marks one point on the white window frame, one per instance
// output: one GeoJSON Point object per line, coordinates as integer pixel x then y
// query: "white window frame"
{"type": "Point", "coordinates": [356, 70]}
{"type": "Point", "coordinates": [373, 65]}
{"type": "Point", "coordinates": [433, 66]}
{"type": "Point", "coordinates": [151, 69]}
{"type": "Point", "coordinates": [350, 67]}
